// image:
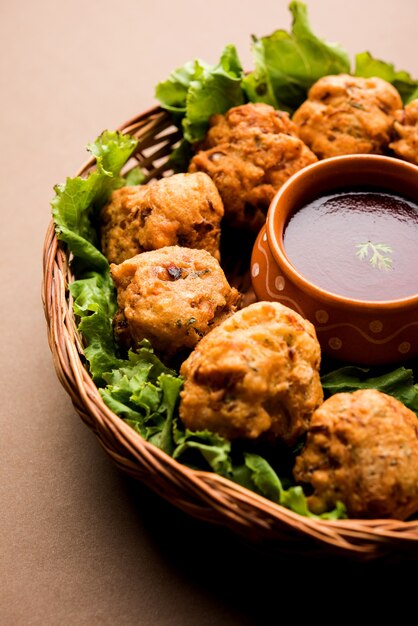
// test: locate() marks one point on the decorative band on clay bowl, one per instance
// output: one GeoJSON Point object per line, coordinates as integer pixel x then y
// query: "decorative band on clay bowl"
{"type": "Point", "coordinates": [366, 332]}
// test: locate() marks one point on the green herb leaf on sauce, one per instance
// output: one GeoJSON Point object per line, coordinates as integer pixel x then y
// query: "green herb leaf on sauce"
{"type": "Point", "coordinates": [377, 251]}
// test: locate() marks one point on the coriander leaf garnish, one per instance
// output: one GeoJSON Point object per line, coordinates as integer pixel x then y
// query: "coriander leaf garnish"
{"type": "Point", "coordinates": [377, 252]}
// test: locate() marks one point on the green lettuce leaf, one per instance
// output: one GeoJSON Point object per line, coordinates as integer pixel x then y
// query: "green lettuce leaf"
{"type": "Point", "coordinates": [367, 66]}
{"type": "Point", "coordinates": [76, 200]}
{"type": "Point", "coordinates": [145, 393]}
{"type": "Point", "coordinates": [196, 91]}
{"type": "Point", "coordinates": [134, 177]}
{"type": "Point", "coordinates": [287, 64]}
{"type": "Point", "coordinates": [258, 475]}
{"type": "Point", "coordinates": [398, 383]}
{"type": "Point", "coordinates": [95, 305]}
{"type": "Point", "coordinates": [203, 450]}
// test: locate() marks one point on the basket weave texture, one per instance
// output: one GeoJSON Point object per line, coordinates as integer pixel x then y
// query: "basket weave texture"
{"type": "Point", "coordinates": [203, 495]}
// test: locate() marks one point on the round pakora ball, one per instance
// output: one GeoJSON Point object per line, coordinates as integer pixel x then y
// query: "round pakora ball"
{"type": "Point", "coordinates": [362, 449]}
{"type": "Point", "coordinates": [348, 115]}
{"type": "Point", "coordinates": [405, 144]}
{"type": "Point", "coordinates": [172, 297]}
{"type": "Point", "coordinates": [183, 209]}
{"type": "Point", "coordinates": [254, 375]}
{"type": "Point", "coordinates": [249, 153]}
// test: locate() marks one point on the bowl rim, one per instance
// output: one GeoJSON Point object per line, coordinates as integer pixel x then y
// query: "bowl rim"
{"type": "Point", "coordinates": [277, 218]}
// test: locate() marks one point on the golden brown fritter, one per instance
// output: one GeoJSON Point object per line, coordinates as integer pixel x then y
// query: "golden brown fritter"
{"type": "Point", "coordinates": [254, 375]}
{"type": "Point", "coordinates": [183, 209]}
{"type": "Point", "coordinates": [362, 449]}
{"type": "Point", "coordinates": [249, 153]}
{"type": "Point", "coordinates": [405, 144]}
{"type": "Point", "coordinates": [172, 297]}
{"type": "Point", "coordinates": [348, 115]}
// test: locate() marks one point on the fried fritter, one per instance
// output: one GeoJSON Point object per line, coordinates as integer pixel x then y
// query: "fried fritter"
{"type": "Point", "coordinates": [405, 144]}
{"type": "Point", "coordinates": [254, 375]}
{"type": "Point", "coordinates": [172, 297]}
{"type": "Point", "coordinates": [362, 449]}
{"type": "Point", "coordinates": [183, 209]}
{"type": "Point", "coordinates": [348, 115]}
{"type": "Point", "coordinates": [249, 153]}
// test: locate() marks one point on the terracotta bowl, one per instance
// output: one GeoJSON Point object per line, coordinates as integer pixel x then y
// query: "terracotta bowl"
{"type": "Point", "coordinates": [357, 331]}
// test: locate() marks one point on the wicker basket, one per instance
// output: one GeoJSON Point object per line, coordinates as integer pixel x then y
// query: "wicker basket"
{"type": "Point", "coordinates": [201, 494]}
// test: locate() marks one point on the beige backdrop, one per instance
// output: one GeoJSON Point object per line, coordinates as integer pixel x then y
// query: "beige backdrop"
{"type": "Point", "coordinates": [79, 542]}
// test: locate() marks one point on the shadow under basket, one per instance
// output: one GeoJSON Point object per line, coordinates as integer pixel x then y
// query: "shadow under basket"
{"type": "Point", "coordinates": [203, 495]}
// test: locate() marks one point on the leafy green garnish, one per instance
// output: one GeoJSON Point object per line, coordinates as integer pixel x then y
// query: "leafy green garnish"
{"type": "Point", "coordinates": [257, 475]}
{"type": "Point", "coordinates": [377, 256]}
{"type": "Point", "coordinates": [287, 64]}
{"type": "Point", "coordinates": [367, 66]}
{"type": "Point", "coordinates": [195, 447]}
{"type": "Point", "coordinates": [398, 383]}
{"type": "Point", "coordinates": [254, 472]}
{"type": "Point", "coordinates": [76, 200]}
{"type": "Point", "coordinates": [145, 392]}
{"type": "Point", "coordinates": [196, 91]}
{"type": "Point", "coordinates": [95, 305]}
{"type": "Point", "coordinates": [135, 176]}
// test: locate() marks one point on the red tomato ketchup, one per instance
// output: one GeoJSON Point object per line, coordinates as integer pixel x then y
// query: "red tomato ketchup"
{"type": "Point", "coordinates": [362, 244]}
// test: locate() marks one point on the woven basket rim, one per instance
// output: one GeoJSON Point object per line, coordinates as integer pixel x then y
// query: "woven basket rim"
{"type": "Point", "coordinates": [209, 496]}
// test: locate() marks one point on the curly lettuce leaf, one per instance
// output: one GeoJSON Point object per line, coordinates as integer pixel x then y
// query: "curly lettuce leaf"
{"type": "Point", "coordinates": [287, 64]}
{"type": "Point", "coordinates": [367, 66]}
{"type": "Point", "coordinates": [172, 92]}
{"type": "Point", "coordinates": [398, 383]}
{"type": "Point", "coordinates": [95, 305]}
{"type": "Point", "coordinates": [145, 393]}
{"type": "Point", "coordinates": [198, 90]}
{"type": "Point", "coordinates": [203, 449]}
{"type": "Point", "coordinates": [135, 176]}
{"type": "Point", "coordinates": [257, 475]}
{"type": "Point", "coordinates": [75, 201]}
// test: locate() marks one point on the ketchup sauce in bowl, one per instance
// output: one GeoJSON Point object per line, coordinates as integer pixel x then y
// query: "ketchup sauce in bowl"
{"type": "Point", "coordinates": [340, 246]}
{"type": "Point", "coordinates": [360, 244]}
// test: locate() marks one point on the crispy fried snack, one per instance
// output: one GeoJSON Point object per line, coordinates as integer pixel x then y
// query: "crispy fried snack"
{"type": "Point", "coordinates": [172, 297]}
{"type": "Point", "coordinates": [405, 144]}
{"type": "Point", "coordinates": [249, 153]}
{"type": "Point", "coordinates": [362, 449]}
{"type": "Point", "coordinates": [183, 209]}
{"type": "Point", "coordinates": [347, 115]}
{"type": "Point", "coordinates": [254, 375]}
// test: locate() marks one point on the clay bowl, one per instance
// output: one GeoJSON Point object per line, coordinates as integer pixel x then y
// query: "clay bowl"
{"type": "Point", "coordinates": [363, 332]}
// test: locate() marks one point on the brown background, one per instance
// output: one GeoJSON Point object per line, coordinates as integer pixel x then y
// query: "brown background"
{"type": "Point", "coordinates": [79, 542]}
